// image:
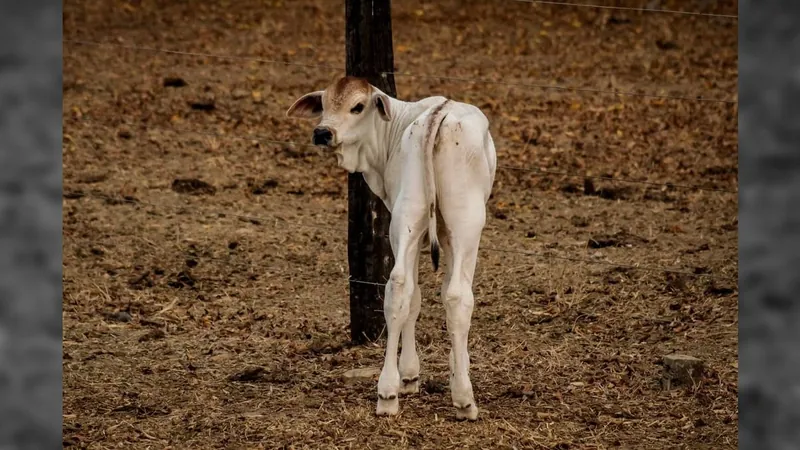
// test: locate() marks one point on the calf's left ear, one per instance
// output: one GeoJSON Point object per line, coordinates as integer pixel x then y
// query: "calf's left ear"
{"type": "Point", "coordinates": [308, 106]}
{"type": "Point", "coordinates": [383, 106]}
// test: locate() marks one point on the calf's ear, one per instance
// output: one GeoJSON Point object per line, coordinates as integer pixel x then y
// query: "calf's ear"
{"type": "Point", "coordinates": [383, 106]}
{"type": "Point", "coordinates": [308, 106]}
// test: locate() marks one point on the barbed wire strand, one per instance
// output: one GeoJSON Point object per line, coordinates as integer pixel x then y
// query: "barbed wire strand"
{"type": "Point", "coordinates": [410, 75]}
{"type": "Point", "coordinates": [533, 171]}
{"type": "Point", "coordinates": [263, 221]}
{"type": "Point", "coordinates": [667, 185]}
{"type": "Point", "coordinates": [626, 8]}
{"type": "Point", "coordinates": [199, 54]}
{"type": "Point", "coordinates": [559, 88]}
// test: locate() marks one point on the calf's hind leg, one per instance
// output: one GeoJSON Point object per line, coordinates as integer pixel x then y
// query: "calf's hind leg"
{"type": "Point", "coordinates": [458, 299]}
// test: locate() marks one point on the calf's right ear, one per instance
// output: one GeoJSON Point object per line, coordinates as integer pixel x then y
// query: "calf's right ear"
{"type": "Point", "coordinates": [308, 106]}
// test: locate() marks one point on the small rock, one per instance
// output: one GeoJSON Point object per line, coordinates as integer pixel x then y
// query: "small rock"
{"type": "Point", "coordinates": [359, 375]}
{"type": "Point", "coordinates": [681, 370]}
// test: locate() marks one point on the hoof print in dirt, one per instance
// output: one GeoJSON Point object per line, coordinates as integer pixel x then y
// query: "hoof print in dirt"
{"type": "Point", "coordinates": [579, 222]}
{"type": "Point", "coordinates": [660, 196]}
{"type": "Point", "coordinates": [606, 192]}
{"type": "Point", "coordinates": [702, 248]}
{"type": "Point", "coordinates": [676, 282]}
{"type": "Point", "coordinates": [681, 370]}
{"type": "Point", "coordinates": [119, 316]}
{"type": "Point", "coordinates": [203, 105]}
{"type": "Point", "coordinates": [571, 188]}
{"type": "Point", "coordinates": [192, 186]}
{"type": "Point", "coordinates": [182, 279]}
{"type": "Point", "coordinates": [258, 374]}
{"type": "Point", "coordinates": [175, 82]}
{"type": "Point", "coordinates": [666, 45]}
{"type": "Point", "coordinates": [262, 188]}
{"type": "Point", "coordinates": [718, 290]}
{"type": "Point", "coordinates": [434, 387]}
{"type": "Point", "coordinates": [142, 281]}
{"type": "Point", "coordinates": [619, 239]}
{"type": "Point", "coordinates": [153, 335]}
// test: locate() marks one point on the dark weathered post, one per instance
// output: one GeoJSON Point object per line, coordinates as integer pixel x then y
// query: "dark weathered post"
{"type": "Point", "coordinates": [369, 53]}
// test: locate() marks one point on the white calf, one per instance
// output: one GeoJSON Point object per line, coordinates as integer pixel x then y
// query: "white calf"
{"type": "Point", "coordinates": [411, 154]}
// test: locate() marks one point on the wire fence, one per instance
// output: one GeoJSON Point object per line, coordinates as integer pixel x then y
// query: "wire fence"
{"type": "Point", "coordinates": [627, 8]}
{"type": "Point", "coordinates": [533, 171]}
{"type": "Point", "coordinates": [404, 74]}
{"type": "Point", "coordinates": [282, 222]}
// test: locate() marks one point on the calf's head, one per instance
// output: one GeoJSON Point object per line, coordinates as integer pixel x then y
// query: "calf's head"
{"type": "Point", "coordinates": [347, 109]}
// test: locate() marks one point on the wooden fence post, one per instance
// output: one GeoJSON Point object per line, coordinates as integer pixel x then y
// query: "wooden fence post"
{"type": "Point", "coordinates": [369, 54]}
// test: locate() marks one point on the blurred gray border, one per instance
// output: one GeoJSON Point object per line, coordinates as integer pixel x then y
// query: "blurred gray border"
{"type": "Point", "coordinates": [30, 224]}
{"type": "Point", "coordinates": [769, 224]}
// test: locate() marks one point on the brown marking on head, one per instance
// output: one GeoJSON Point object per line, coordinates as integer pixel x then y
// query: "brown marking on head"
{"type": "Point", "coordinates": [343, 91]}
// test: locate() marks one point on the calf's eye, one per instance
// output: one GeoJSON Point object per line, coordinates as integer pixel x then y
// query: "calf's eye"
{"type": "Point", "coordinates": [357, 109]}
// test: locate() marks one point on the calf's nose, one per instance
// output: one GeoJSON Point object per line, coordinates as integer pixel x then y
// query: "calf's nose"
{"type": "Point", "coordinates": [322, 136]}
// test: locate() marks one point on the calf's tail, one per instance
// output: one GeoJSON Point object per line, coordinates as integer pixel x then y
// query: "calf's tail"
{"type": "Point", "coordinates": [434, 122]}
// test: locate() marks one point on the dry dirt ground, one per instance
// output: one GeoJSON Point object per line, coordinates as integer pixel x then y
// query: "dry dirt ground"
{"type": "Point", "coordinates": [213, 313]}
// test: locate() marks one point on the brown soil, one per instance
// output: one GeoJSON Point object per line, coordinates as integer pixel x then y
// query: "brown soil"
{"type": "Point", "coordinates": [205, 293]}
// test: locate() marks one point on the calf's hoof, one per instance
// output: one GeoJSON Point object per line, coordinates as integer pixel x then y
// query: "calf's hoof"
{"type": "Point", "coordinates": [389, 406]}
{"type": "Point", "coordinates": [409, 386]}
{"type": "Point", "coordinates": [466, 412]}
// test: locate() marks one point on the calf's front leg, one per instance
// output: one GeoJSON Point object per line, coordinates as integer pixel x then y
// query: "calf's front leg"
{"type": "Point", "coordinates": [397, 310]}
{"type": "Point", "coordinates": [409, 359]}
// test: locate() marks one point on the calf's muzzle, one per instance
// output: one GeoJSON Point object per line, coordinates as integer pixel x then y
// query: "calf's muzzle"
{"type": "Point", "coordinates": [322, 136]}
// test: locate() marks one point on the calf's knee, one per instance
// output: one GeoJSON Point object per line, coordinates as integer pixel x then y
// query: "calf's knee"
{"type": "Point", "coordinates": [398, 295]}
